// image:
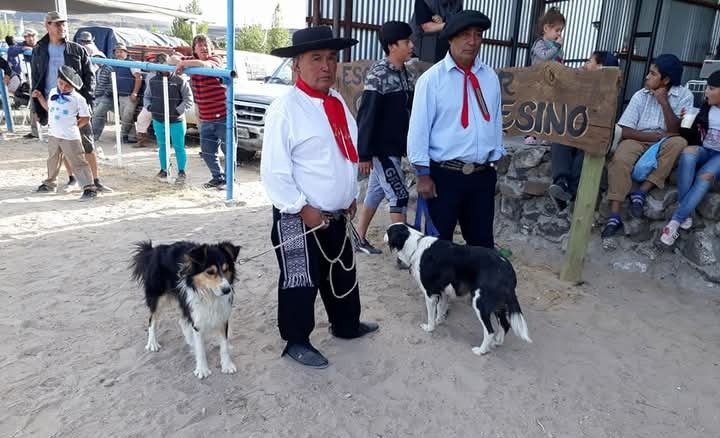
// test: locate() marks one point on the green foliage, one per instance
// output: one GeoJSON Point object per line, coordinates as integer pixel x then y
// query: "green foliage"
{"type": "Point", "coordinates": [183, 29]}
{"type": "Point", "coordinates": [7, 29]}
{"type": "Point", "coordinates": [251, 38]}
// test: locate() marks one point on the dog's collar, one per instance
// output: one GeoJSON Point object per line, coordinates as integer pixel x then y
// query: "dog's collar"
{"type": "Point", "coordinates": [417, 246]}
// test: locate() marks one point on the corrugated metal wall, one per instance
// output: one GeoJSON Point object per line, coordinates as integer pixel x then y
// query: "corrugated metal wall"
{"type": "Point", "coordinates": [580, 34]}
{"type": "Point", "coordinates": [614, 18]}
{"type": "Point", "coordinates": [580, 15]}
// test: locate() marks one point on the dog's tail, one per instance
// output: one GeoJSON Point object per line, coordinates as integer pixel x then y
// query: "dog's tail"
{"type": "Point", "coordinates": [517, 320]}
{"type": "Point", "coordinates": [140, 260]}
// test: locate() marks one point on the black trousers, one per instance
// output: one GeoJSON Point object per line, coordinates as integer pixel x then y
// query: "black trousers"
{"type": "Point", "coordinates": [567, 165]}
{"type": "Point", "coordinates": [468, 199]}
{"type": "Point", "coordinates": [296, 299]}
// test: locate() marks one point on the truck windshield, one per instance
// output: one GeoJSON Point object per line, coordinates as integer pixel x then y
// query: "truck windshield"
{"type": "Point", "coordinates": [282, 74]}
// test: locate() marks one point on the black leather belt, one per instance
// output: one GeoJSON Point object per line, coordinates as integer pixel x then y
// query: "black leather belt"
{"type": "Point", "coordinates": [334, 215]}
{"type": "Point", "coordinates": [461, 166]}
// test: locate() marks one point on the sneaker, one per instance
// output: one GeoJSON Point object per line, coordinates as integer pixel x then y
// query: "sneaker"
{"type": "Point", "coordinates": [530, 140]}
{"type": "Point", "coordinates": [364, 246]}
{"type": "Point", "coordinates": [637, 204]}
{"type": "Point", "coordinates": [162, 176]}
{"type": "Point", "coordinates": [102, 188]}
{"type": "Point", "coordinates": [88, 194]}
{"type": "Point", "coordinates": [100, 153]}
{"type": "Point", "coordinates": [180, 179]}
{"type": "Point", "coordinates": [611, 227]}
{"type": "Point", "coordinates": [215, 183]}
{"type": "Point", "coordinates": [670, 233]}
{"type": "Point", "coordinates": [127, 140]}
{"type": "Point", "coordinates": [30, 135]}
{"type": "Point", "coordinates": [560, 191]}
{"type": "Point", "coordinates": [71, 185]}
{"type": "Point", "coordinates": [687, 223]}
{"type": "Point", "coordinates": [44, 188]}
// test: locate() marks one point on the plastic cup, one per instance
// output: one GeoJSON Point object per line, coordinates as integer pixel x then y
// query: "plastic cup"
{"type": "Point", "coordinates": [689, 117]}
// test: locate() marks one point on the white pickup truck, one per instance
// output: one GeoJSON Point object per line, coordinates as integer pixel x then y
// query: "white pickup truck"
{"type": "Point", "coordinates": [252, 100]}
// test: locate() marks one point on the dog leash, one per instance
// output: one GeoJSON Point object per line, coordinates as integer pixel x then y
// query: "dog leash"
{"type": "Point", "coordinates": [312, 230]}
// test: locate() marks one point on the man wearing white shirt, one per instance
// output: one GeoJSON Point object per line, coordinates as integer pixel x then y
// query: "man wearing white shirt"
{"type": "Point", "coordinates": [309, 171]}
{"type": "Point", "coordinates": [455, 134]}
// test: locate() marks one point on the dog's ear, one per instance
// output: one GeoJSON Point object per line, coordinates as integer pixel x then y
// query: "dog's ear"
{"type": "Point", "coordinates": [232, 250]}
{"type": "Point", "coordinates": [197, 254]}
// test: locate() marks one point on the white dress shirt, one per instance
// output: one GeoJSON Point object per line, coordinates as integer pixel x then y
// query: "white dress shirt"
{"type": "Point", "coordinates": [301, 162]}
{"type": "Point", "coordinates": [435, 131]}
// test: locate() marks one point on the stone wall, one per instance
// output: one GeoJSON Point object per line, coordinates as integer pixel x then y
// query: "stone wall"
{"type": "Point", "coordinates": [523, 207]}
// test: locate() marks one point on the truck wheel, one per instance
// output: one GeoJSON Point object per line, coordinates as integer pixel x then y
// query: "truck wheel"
{"type": "Point", "coordinates": [245, 155]}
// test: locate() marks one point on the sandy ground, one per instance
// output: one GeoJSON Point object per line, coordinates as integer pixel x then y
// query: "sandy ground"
{"type": "Point", "coordinates": [620, 356]}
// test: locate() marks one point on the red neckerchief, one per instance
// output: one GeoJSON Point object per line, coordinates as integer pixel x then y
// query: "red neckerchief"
{"type": "Point", "coordinates": [335, 112]}
{"type": "Point", "coordinates": [478, 95]}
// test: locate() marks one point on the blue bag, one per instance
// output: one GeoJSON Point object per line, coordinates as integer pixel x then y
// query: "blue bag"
{"type": "Point", "coordinates": [647, 162]}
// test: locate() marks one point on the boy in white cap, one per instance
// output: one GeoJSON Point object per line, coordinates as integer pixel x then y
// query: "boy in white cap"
{"type": "Point", "coordinates": [67, 111]}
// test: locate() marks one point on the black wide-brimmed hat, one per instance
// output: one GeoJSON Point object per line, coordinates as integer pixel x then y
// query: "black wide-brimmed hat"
{"type": "Point", "coordinates": [462, 20]}
{"type": "Point", "coordinates": [313, 38]}
{"type": "Point", "coordinates": [69, 75]}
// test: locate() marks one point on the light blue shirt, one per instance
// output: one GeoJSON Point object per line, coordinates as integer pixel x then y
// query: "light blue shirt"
{"type": "Point", "coordinates": [435, 131]}
{"type": "Point", "coordinates": [55, 61]}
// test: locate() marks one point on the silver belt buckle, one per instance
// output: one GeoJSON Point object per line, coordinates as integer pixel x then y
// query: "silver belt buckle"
{"type": "Point", "coordinates": [468, 168]}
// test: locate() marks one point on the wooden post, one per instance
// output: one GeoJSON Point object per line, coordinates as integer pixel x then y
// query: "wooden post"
{"type": "Point", "coordinates": [582, 217]}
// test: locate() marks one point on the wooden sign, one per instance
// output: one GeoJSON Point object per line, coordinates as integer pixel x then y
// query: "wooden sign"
{"type": "Point", "coordinates": [561, 105]}
{"type": "Point", "coordinates": [549, 101]}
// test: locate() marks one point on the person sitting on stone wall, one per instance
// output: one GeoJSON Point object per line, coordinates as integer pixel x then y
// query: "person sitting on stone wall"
{"type": "Point", "coordinates": [653, 114]}
{"type": "Point", "coordinates": [567, 160]}
{"type": "Point", "coordinates": [705, 153]}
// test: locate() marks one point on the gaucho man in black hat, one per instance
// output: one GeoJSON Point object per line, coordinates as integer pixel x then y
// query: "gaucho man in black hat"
{"type": "Point", "coordinates": [455, 134]}
{"type": "Point", "coordinates": [309, 171]}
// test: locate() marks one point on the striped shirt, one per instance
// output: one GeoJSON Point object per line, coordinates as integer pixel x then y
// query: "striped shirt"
{"type": "Point", "coordinates": [209, 94]}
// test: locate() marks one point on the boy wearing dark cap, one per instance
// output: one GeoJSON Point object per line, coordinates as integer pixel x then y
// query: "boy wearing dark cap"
{"type": "Point", "coordinates": [653, 114]}
{"type": "Point", "coordinates": [68, 111]}
{"type": "Point", "coordinates": [383, 120]}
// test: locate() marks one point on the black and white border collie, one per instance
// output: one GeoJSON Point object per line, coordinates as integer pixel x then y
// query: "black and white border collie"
{"type": "Point", "coordinates": [200, 279]}
{"type": "Point", "coordinates": [442, 268]}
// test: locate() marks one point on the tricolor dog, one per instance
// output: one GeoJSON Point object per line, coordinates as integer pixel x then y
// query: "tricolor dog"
{"type": "Point", "coordinates": [442, 268]}
{"type": "Point", "coordinates": [199, 277]}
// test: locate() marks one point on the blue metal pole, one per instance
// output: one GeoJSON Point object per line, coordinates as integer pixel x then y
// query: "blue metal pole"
{"type": "Point", "coordinates": [151, 66]}
{"type": "Point", "coordinates": [230, 110]}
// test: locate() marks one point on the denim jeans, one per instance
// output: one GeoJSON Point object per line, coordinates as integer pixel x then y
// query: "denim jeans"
{"type": "Point", "coordinates": [212, 137]}
{"type": "Point", "coordinates": [102, 105]}
{"type": "Point", "coordinates": [692, 187]}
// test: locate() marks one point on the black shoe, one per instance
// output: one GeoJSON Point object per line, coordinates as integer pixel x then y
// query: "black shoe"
{"type": "Point", "coordinates": [162, 176]}
{"type": "Point", "coordinates": [127, 140]}
{"type": "Point", "coordinates": [30, 135]}
{"type": "Point", "coordinates": [88, 194]}
{"type": "Point", "coordinates": [215, 183]}
{"type": "Point", "coordinates": [367, 248]}
{"type": "Point", "coordinates": [560, 191]}
{"type": "Point", "coordinates": [102, 188]}
{"type": "Point", "coordinates": [307, 355]}
{"type": "Point", "coordinates": [44, 188]}
{"type": "Point", "coordinates": [363, 329]}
